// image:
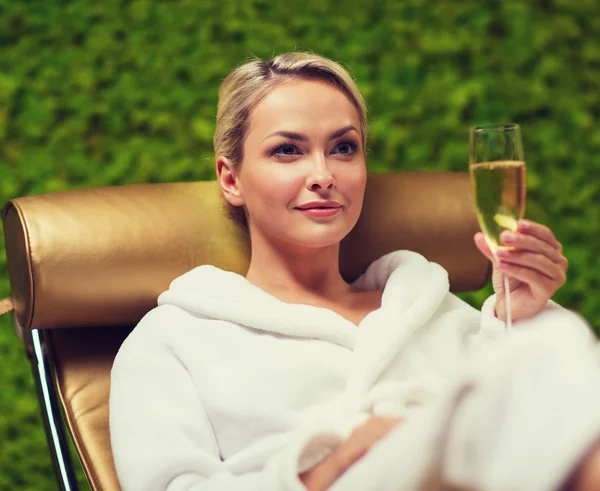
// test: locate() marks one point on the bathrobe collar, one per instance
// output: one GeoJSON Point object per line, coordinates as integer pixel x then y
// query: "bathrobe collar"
{"type": "Point", "coordinates": [413, 288]}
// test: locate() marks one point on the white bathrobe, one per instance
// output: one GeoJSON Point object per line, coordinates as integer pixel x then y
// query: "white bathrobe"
{"type": "Point", "coordinates": [225, 387]}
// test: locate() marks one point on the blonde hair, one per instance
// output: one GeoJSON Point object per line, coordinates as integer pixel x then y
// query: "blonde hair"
{"type": "Point", "coordinates": [246, 86]}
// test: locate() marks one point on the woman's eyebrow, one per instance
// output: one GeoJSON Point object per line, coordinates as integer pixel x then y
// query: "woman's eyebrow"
{"type": "Point", "coordinates": [341, 131]}
{"type": "Point", "coordinates": [291, 135]}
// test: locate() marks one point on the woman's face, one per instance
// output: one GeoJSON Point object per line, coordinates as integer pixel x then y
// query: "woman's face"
{"type": "Point", "coordinates": [303, 174]}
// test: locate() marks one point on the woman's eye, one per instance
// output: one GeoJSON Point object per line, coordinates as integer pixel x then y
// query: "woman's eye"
{"type": "Point", "coordinates": [345, 148]}
{"type": "Point", "coordinates": [286, 150]}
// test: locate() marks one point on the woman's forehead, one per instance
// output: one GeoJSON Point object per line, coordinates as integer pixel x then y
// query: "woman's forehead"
{"type": "Point", "coordinates": [299, 104]}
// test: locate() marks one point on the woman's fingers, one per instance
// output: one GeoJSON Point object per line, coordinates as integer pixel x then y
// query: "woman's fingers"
{"type": "Point", "coordinates": [524, 249]}
{"type": "Point", "coordinates": [533, 261]}
{"type": "Point", "coordinates": [524, 242]}
{"type": "Point", "coordinates": [527, 227]}
{"type": "Point", "coordinates": [534, 243]}
{"type": "Point", "coordinates": [483, 246]}
{"type": "Point", "coordinates": [540, 285]}
{"type": "Point", "coordinates": [540, 263]}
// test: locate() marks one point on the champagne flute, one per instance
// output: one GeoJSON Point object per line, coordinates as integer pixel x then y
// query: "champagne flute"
{"type": "Point", "coordinates": [497, 169]}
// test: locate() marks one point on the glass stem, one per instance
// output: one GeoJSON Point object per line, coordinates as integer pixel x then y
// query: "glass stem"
{"type": "Point", "coordinates": [507, 303]}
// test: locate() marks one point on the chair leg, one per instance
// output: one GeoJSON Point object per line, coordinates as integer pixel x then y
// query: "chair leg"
{"type": "Point", "coordinates": [51, 414]}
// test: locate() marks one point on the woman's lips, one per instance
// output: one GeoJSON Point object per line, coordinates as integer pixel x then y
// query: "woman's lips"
{"type": "Point", "coordinates": [320, 212]}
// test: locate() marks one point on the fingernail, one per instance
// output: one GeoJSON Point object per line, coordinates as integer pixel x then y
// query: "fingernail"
{"type": "Point", "coordinates": [502, 253]}
{"type": "Point", "coordinates": [522, 224]}
{"type": "Point", "coordinates": [508, 237]}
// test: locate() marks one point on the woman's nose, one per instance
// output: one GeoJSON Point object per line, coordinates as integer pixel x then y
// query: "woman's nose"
{"type": "Point", "coordinates": [320, 175]}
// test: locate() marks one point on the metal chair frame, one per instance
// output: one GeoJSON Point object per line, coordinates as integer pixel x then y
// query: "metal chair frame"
{"type": "Point", "coordinates": [40, 355]}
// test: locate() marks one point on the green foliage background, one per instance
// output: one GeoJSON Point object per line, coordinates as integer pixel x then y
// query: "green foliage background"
{"type": "Point", "coordinates": [117, 92]}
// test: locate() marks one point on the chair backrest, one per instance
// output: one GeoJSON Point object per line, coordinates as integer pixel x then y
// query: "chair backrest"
{"type": "Point", "coordinates": [86, 265]}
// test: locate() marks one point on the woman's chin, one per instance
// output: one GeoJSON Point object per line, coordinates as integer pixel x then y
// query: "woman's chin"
{"type": "Point", "coordinates": [313, 236]}
{"type": "Point", "coordinates": [319, 239]}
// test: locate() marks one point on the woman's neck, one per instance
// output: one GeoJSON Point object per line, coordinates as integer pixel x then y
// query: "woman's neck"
{"type": "Point", "coordinates": [297, 275]}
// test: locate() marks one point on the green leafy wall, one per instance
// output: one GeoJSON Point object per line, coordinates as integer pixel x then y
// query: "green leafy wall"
{"type": "Point", "coordinates": [115, 92]}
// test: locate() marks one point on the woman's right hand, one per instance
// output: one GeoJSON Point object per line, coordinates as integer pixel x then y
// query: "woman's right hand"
{"type": "Point", "coordinates": [323, 475]}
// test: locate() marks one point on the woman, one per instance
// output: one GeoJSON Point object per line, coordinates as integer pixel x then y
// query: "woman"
{"type": "Point", "coordinates": [290, 378]}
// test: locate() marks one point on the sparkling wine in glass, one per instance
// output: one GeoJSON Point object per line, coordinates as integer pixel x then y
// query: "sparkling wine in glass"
{"type": "Point", "coordinates": [497, 169]}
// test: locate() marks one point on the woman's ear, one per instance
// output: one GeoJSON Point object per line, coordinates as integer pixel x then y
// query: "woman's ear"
{"type": "Point", "coordinates": [227, 175]}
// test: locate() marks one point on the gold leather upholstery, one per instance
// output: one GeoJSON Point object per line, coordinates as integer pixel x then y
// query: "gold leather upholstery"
{"type": "Point", "coordinates": [101, 256]}
{"type": "Point", "coordinates": [98, 258]}
{"type": "Point", "coordinates": [83, 360]}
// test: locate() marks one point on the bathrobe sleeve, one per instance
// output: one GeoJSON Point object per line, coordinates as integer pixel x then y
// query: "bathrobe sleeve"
{"type": "Point", "coordinates": [553, 318]}
{"type": "Point", "coordinates": [162, 438]}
